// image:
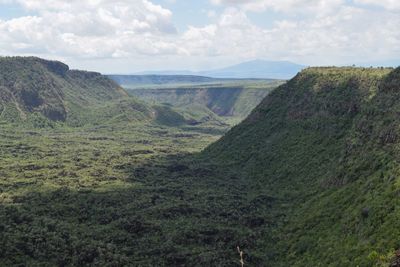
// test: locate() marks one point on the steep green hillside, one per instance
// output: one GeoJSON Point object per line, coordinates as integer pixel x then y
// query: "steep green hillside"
{"type": "Point", "coordinates": [323, 149]}
{"type": "Point", "coordinates": [32, 86]}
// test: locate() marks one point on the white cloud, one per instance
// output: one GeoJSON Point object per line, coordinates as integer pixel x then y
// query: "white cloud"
{"type": "Point", "coordinates": [307, 31]}
{"type": "Point", "coordinates": [348, 35]}
{"type": "Point", "coordinates": [211, 13]}
{"type": "Point", "coordinates": [93, 28]}
{"type": "Point", "coordinates": [387, 4]}
{"type": "Point", "coordinates": [320, 7]}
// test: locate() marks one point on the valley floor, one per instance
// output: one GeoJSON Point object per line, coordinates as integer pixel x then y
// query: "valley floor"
{"type": "Point", "coordinates": [133, 195]}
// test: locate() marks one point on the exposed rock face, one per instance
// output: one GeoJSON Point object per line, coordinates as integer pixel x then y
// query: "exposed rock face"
{"type": "Point", "coordinates": [56, 67]}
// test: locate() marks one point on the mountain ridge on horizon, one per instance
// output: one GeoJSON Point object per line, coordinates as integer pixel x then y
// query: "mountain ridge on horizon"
{"type": "Point", "coordinates": [258, 69]}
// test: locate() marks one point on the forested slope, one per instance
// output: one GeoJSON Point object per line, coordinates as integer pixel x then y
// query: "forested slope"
{"type": "Point", "coordinates": [325, 148]}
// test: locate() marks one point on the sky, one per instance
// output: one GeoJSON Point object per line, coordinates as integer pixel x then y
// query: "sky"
{"type": "Point", "coordinates": [127, 36]}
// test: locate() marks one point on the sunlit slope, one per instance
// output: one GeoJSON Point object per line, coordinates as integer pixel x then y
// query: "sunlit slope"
{"type": "Point", "coordinates": [325, 146]}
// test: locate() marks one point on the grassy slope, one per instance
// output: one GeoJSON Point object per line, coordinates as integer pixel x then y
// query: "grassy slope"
{"type": "Point", "coordinates": [325, 146]}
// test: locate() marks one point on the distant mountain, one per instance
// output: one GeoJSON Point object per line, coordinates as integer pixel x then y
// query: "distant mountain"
{"type": "Point", "coordinates": [167, 72]}
{"type": "Point", "coordinates": [261, 69]}
{"type": "Point", "coordinates": [257, 69]}
{"type": "Point", "coordinates": [383, 63]}
{"type": "Point", "coordinates": [130, 81]}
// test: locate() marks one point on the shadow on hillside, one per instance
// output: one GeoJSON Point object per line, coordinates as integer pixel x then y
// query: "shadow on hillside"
{"type": "Point", "coordinates": [178, 211]}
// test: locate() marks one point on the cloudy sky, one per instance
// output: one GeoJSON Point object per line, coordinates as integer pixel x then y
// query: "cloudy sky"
{"type": "Point", "coordinates": [125, 36]}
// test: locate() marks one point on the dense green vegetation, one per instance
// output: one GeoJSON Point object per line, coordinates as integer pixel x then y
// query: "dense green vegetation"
{"type": "Point", "coordinates": [310, 178]}
{"type": "Point", "coordinates": [325, 147]}
{"type": "Point", "coordinates": [107, 196]}
{"type": "Point", "coordinates": [118, 187]}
